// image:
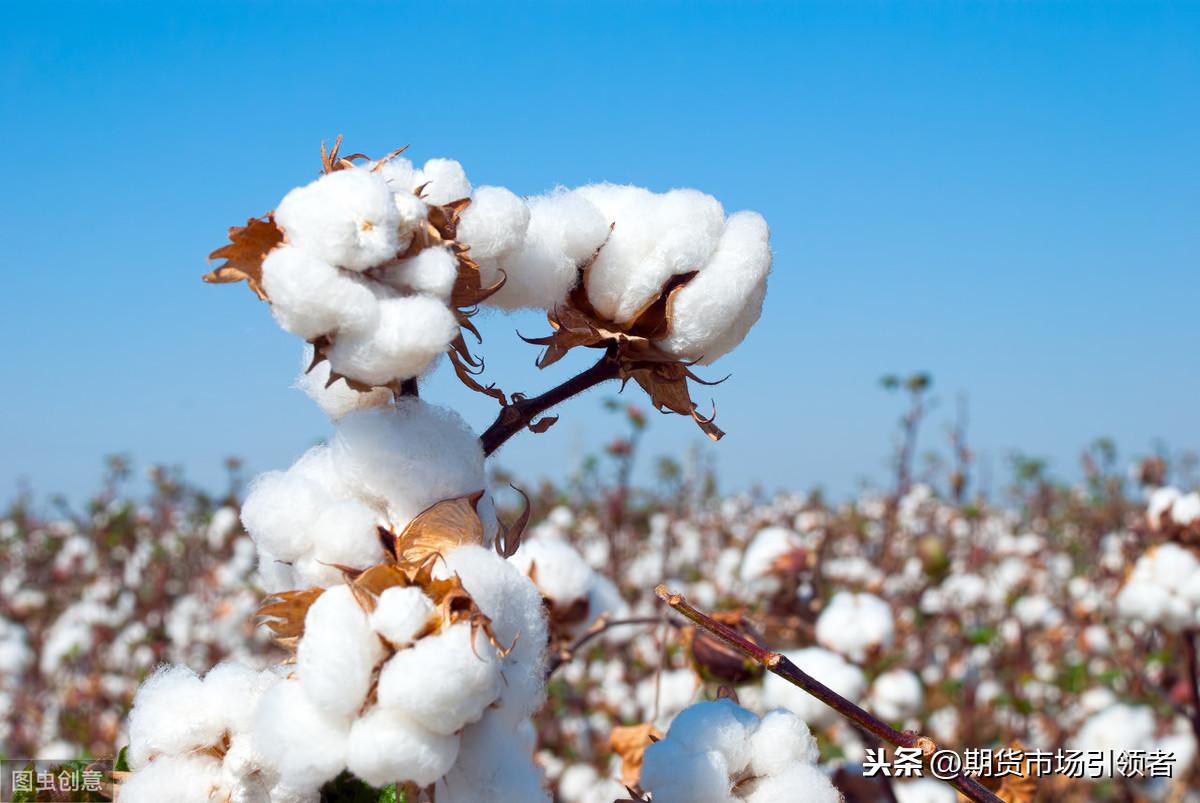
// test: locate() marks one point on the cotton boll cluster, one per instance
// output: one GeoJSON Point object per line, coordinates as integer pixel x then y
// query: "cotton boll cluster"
{"type": "Point", "coordinates": [1163, 589]}
{"type": "Point", "coordinates": [634, 243]}
{"type": "Point", "coordinates": [191, 739]}
{"type": "Point", "coordinates": [718, 752]}
{"type": "Point", "coordinates": [828, 667]}
{"type": "Point", "coordinates": [384, 466]}
{"type": "Point", "coordinates": [855, 624]}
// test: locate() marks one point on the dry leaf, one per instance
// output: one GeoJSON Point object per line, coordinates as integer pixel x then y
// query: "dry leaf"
{"type": "Point", "coordinates": [508, 538]}
{"type": "Point", "coordinates": [630, 743]}
{"type": "Point", "coordinates": [441, 528]}
{"type": "Point", "coordinates": [248, 247]}
{"type": "Point", "coordinates": [284, 613]}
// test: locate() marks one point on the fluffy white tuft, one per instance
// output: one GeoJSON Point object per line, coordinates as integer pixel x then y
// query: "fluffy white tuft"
{"type": "Point", "coordinates": [384, 749]}
{"type": "Point", "coordinates": [310, 298]}
{"type": "Point", "coordinates": [409, 334]}
{"type": "Point", "coordinates": [337, 653]}
{"type": "Point", "coordinates": [401, 613]}
{"type": "Point", "coordinates": [347, 218]}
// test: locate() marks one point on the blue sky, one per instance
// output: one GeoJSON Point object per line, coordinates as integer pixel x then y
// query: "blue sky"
{"type": "Point", "coordinates": [1003, 194]}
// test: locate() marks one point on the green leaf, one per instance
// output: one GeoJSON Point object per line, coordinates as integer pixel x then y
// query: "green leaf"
{"type": "Point", "coordinates": [122, 762]}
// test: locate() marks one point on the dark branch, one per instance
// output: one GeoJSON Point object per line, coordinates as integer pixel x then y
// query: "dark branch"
{"type": "Point", "coordinates": [518, 415]}
{"type": "Point", "coordinates": [865, 720]}
{"type": "Point", "coordinates": [601, 625]}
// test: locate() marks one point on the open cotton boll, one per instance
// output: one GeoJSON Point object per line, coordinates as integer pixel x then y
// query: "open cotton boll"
{"type": "Point", "coordinates": [493, 226]}
{"type": "Point", "coordinates": [1161, 500]}
{"type": "Point", "coordinates": [1120, 728]}
{"type": "Point", "coordinates": [384, 749]}
{"type": "Point", "coordinates": [337, 653]}
{"type": "Point", "coordinates": [564, 231]}
{"type": "Point", "coordinates": [407, 457]}
{"type": "Point", "coordinates": [306, 746]}
{"type": "Point", "coordinates": [1163, 589]}
{"type": "Point", "coordinates": [1186, 509]}
{"type": "Point", "coordinates": [768, 545]}
{"type": "Point", "coordinates": [720, 725]}
{"type": "Point", "coordinates": [780, 740]}
{"type": "Point", "coordinates": [279, 513]}
{"type": "Point", "coordinates": [853, 624]}
{"type": "Point", "coordinates": [896, 695]}
{"type": "Point", "coordinates": [655, 237]}
{"type": "Point", "coordinates": [827, 667]}
{"type": "Point", "coordinates": [310, 298]}
{"type": "Point", "coordinates": [673, 774]}
{"type": "Point", "coordinates": [174, 779]}
{"type": "Point", "coordinates": [445, 681]}
{"type": "Point", "coordinates": [713, 312]}
{"type": "Point", "coordinates": [171, 715]}
{"type": "Point", "coordinates": [347, 218]}
{"type": "Point", "coordinates": [401, 613]}
{"type": "Point", "coordinates": [562, 575]}
{"type": "Point", "coordinates": [798, 782]}
{"type": "Point", "coordinates": [432, 271]}
{"type": "Point", "coordinates": [232, 691]}
{"type": "Point", "coordinates": [318, 467]}
{"type": "Point", "coordinates": [346, 534]}
{"type": "Point", "coordinates": [410, 333]}
{"type": "Point", "coordinates": [445, 181]}
{"type": "Point", "coordinates": [510, 600]}
{"type": "Point", "coordinates": [401, 177]}
{"type": "Point", "coordinates": [337, 399]}
{"type": "Point", "coordinates": [494, 764]}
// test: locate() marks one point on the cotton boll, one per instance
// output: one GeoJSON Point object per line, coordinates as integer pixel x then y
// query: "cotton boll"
{"type": "Point", "coordinates": [171, 716]}
{"type": "Point", "coordinates": [318, 467]}
{"type": "Point", "coordinates": [768, 545]}
{"type": "Point", "coordinates": [407, 457]}
{"type": "Point", "coordinates": [721, 725]}
{"type": "Point", "coordinates": [347, 218]}
{"type": "Point", "coordinates": [511, 601]}
{"type": "Point", "coordinates": [1186, 509]}
{"type": "Point", "coordinates": [410, 333]}
{"type": "Point", "coordinates": [562, 574]}
{"type": "Point", "coordinates": [432, 271]}
{"type": "Point", "coordinates": [713, 312]}
{"type": "Point", "coordinates": [385, 749]}
{"type": "Point", "coordinates": [493, 226]}
{"type": "Point", "coordinates": [401, 613]}
{"type": "Point", "coordinates": [346, 534]}
{"type": "Point", "coordinates": [445, 181]}
{"type": "Point", "coordinates": [273, 575]}
{"type": "Point", "coordinates": [337, 653]}
{"type": "Point", "coordinates": [443, 682]}
{"type": "Point", "coordinates": [337, 399]}
{"type": "Point", "coordinates": [673, 774]}
{"type": "Point", "coordinates": [494, 764]}
{"type": "Point", "coordinates": [231, 692]}
{"type": "Point", "coordinates": [798, 782]}
{"type": "Point", "coordinates": [399, 175]}
{"type": "Point", "coordinates": [174, 779]}
{"type": "Point", "coordinates": [307, 746]}
{"type": "Point", "coordinates": [853, 624]}
{"type": "Point", "coordinates": [279, 511]}
{"type": "Point", "coordinates": [564, 231]}
{"type": "Point", "coordinates": [896, 695]}
{"type": "Point", "coordinates": [1161, 500]}
{"type": "Point", "coordinates": [310, 298]}
{"type": "Point", "coordinates": [827, 667]}
{"type": "Point", "coordinates": [780, 740]}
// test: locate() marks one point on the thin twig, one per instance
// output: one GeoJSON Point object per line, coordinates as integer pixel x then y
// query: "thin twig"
{"type": "Point", "coordinates": [863, 719]}
{"type": "Point", "coordinates": [601, 625]}
{"type": "Point", "coordinates": [518, 415]}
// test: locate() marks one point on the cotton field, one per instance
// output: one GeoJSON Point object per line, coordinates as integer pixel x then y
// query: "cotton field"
{"type": "Point", "coordinates": [392, 617]}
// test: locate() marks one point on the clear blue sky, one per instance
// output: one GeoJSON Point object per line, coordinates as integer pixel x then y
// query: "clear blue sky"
{"type": "Point", "coordinates": [1004, 194]}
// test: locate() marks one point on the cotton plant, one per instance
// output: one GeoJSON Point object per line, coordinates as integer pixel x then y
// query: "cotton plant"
{"type": "Point", "coordinates": [417, 648]}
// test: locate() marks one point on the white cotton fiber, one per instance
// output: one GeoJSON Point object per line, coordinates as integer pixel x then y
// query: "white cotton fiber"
{"type": "Point", "coordinates": [494, 765]}
{"type": "Point", "coordinates": [720, 725]}
{"type": "Point", "coordinates": [445, 181]}
{"type": "Point", "coordinates": [561, 573]}
{"type": "Point", "coordinates": [346, 533]}
{"type": "Point", "coordinates": [347, 218]}
{"type": "Point", "coordinates": [768, 545]}
{"type": "Point", "coordinates": [310, 297]}
{"type": "Point", "coordinates": [798, 782]}
{"type": "Point", "coordinates": [1163, 589]}
{"type": "Point", "coordinates": [294, 736]}
{"type": "Point", "coordinates": [827, 667]}
{"type": "Point", "coordinates": [1186, 509]}
{"type": "Point", "coordinates": [896, 695]}
{"type": "Point", "coordinates": [337, 399]}
{"type": "Point", "coordinates": [1161, 501]}
{"type": "Point", "coordinates": [174, 779]}
{"type": "Point", "coordinates": [674, 774]}
{"type": "Point", "coordinates": [410, 333]}
{"type": "Point", "coordinates": [171, 716]}
{"type": "Point", "coordinates": [232, 691]}
{"type": "Point", "coordinates": [713, 313]}
{"type": "Point", "coordinates": [514, 605]}
{"type": "Point", "coordinates": [656, 236]}
{"type": "Point", "coordinates": [401, 613]}
{"type": "Point", "coordinates": [443, 682]}
{"type": "Point", "coordinates": [407, 457]}
{"type": "Point", "coordinates": [853, 624]}
{"type": "Point", "coordinates": [924, 790]}
{"type": "Point", "coordinates": [780, 740]}
{"type": "Point", "coordinates": [399, 175]}
{"type": "Point", "coordinates": [384, 749]}
{"type": "Point", "coordinates": [493, 226]}
{"type": "Point", "coordinates": [318, 467]}
{"type": "Point", "coordinates": [337, 654]}
{"type": "Point", "coordinates": [564, 231]}
{"type": "Point", "coordinates": [279, 512]}
{"type": "Point", "coordinates": [432, 272]}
